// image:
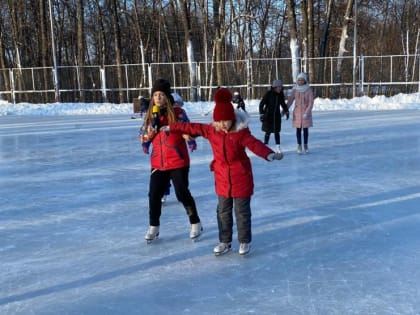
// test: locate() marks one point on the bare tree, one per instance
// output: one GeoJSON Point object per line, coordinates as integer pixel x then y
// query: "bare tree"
{"type": "Point", "coordinates": [347, 20]}
{"type": "Point", "coordinates": [15, 8]}
{"type": "Point", "coordinates": [117, 48]}
{"type": "Point", "coordinates": [4, 78]}
{"type": "Point", "coordinates": [293, 40]}
{"type": "Point", "coordinates": [324, 39]}
{"type": "Point", "coordinates": [310, 38]}
{"type": "Point", "coordinates": [80, 47]}
{"type": "Point", "coordinates": [186, 19]}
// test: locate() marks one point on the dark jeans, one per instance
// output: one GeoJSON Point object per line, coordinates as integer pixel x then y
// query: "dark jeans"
{"type": "Point", "coordinates": [276, 137]}
{"type": "Point", "coordinates": [305, 135]}
{"type": "Point", "coordinates": [159, 181]}
{"type": "Point", "coordinates": [242, 215]}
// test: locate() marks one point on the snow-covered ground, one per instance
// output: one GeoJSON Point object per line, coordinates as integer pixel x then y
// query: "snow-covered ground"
{"type": "Point", "coordinates": [335, 231]}
{"type": "Point", "coordinates": [400, 101]}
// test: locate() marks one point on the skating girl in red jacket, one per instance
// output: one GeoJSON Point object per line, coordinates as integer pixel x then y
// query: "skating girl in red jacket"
{"type": "Point", "coordinates": [169, 159]}
{"type": "Point", "coordinates": [229, 136]}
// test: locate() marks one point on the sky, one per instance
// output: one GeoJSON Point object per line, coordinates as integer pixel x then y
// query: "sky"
{"type": "Point", "coordinates": [335, 231]}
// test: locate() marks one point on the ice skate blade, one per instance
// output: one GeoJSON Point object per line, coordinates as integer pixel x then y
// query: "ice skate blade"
{"type": "Point", "coordinates": [148, 242]}
{"type": "Point", "coordinates": [151, 240]}
{"type": "Point", "coordinates": [223, 253]}
{"type": "Point", "coordinates": [196, 239]}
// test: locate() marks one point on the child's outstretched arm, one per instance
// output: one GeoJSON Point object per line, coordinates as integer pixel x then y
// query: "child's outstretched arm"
{"type": "Point", "coordinates": [196, 129]}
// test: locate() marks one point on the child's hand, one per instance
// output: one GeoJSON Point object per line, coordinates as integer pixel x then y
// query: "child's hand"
{"type": "Point", "coordinates": [275, 156]}
{"type": "Point", "coordinates": [192, 145]}
{"type": "Point", "coordinates": [145, 146]}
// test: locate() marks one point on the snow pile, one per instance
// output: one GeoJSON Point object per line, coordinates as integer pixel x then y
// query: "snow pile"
{"type": "Point", "coordinates": [399, 101]}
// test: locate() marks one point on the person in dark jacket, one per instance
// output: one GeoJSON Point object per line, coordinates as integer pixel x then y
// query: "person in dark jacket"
{"type": "Point", "coordinates": [270, 112]}
{"type": "Point", "coordinates": [169, 159]}
{"type": "Point", "coordinates": [238, 101]}
{"type": "Point", "coordinates": [229, 137]}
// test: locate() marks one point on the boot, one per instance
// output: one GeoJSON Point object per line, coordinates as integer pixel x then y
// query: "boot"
{"type": "Point", "coordinates": [305, 147]}
{"type": "Point", "coordinates": [152, 233]}
{"type": "Point", "coordinates": [244, 248]}
{"type": "Point", "coordinates": [299, 149]}
{"type": "Point", "coordinates": [222, 248]}
{"type": "Point", "coordinates": [196, 230]}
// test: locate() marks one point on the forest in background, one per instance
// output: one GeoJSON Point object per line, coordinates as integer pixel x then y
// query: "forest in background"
{"type": "Point", "coordinates": [85, 33]}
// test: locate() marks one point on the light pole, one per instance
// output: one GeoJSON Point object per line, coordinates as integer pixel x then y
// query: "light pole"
{"type": "Point", "coordinates": [354, 47]}
{"type": "Point", "coordinates": [55, 72]}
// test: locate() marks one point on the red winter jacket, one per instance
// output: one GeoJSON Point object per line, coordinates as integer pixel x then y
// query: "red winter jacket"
{"type": "Point", "coordinates": [231, 165]}
{"type": "Point", "coordinates": [169, 149]}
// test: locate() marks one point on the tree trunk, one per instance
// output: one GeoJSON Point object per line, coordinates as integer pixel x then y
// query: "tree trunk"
{"type": "Point", "coordinates": [294, 45]}
{"type": "Point", "coordinates": [140, 42]}
{"type": "Point", "coordinates": [304, 27]}
{"type": "Point", "coordinates": [324, 39]}
{"type": "Point", "coordinates": [4, 79]}
{"type": "Point", "coordinates": [117, 43]}
{"type": "Point", "coordinates": [16, 40]}
{"type": "Point", "coordinates": [342, 47]}
{"type": "Point", "coordinates": [44, 45]}
{"type": "Point", "coordinates": [80, 48]}
{"type": "Point", "coordinates": [311, 39]}
{"type": "Point", "coordinates": [186, 19]}
{"type": "Point", "coordinates": [219, 16]}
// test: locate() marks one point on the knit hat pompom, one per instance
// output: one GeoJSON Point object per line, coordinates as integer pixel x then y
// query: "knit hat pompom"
{"type": "Point", "coordinates": [223, 95]}
{"type": "Point", "coordinates": [224, 108]}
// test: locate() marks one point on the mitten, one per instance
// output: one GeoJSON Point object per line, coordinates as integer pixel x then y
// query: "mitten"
{"type": "Point", "coordinates": [192, 145]}
{"type": "Point", "coordinates": [305, 116]}
{"type": "Point", "coordinates": [275, 156]}
{"type": "Point", "coordinates": [164, 128]}
{"type": "Point", "coordinates": [145, 146]}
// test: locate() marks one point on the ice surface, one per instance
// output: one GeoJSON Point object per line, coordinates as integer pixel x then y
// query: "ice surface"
{"type": "Point", "coordinates": [335, 231]}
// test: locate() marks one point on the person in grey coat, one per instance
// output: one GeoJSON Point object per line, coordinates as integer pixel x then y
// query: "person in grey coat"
{"type": "Point", "coordinates": [270, 112]}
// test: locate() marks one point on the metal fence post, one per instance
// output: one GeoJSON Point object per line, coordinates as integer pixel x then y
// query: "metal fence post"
{"type": "Point", "coordinates": [12, 85]}
{"type": "Point", "coordinates": [103, 84]}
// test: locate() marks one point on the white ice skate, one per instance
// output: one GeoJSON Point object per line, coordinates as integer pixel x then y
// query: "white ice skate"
{"type": "Point", "coordinates": [299, 149]}
{"type": "Point", "coordinates": [222, 249]}
{"type": "Point", "coordinates": [244, 248]}
{"type": "Point", "coordinates": [196, 231]}
{"type": "Point", "coordinates": [152, 234]}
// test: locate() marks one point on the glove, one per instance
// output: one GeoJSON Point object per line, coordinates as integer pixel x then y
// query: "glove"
{"type": "Point", "coordinates": [165, 128]}
{"type": "Point", "coordinates": [145, 146]}
{"type": "Point", "coordinates": [286, 113]}
{"type": "Point", "coordinates": [261, 117]}
{"type": "Point", "coordinates": [192, 145]}
{"type": "Point", "coordinates": [275, 156]}
{"type": "Point", "coordinates": [305, 116]}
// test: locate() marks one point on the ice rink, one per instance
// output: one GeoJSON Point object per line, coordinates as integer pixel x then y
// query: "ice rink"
{"type": "Point", "coordinates": [335, 231]}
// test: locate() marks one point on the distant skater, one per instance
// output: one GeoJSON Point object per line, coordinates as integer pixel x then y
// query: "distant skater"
{"type": "Point", "coordinates": [270, 112]}
{"type": "Point", "coordinates": [303, 98]}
